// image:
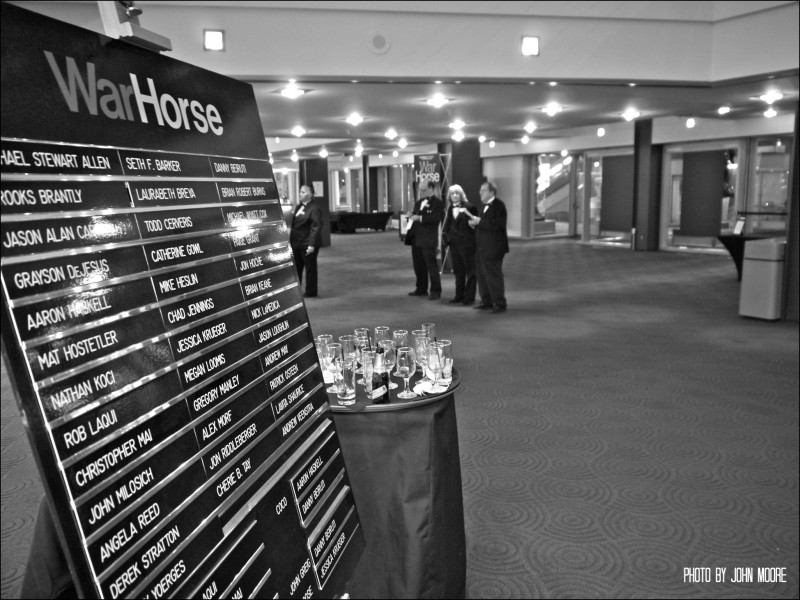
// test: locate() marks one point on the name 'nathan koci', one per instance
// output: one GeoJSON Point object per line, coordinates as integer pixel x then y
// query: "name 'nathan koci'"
{"type": "Point", "coordinates": [114, 100]}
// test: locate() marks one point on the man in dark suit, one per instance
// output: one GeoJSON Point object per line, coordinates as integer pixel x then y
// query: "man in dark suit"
{"type": "Point", "coordinates": [306, 239]}
{"type": "Point", "coordinates": [458, 237]}
{"type": "Point", "coordinates": [424, 220]}
{"type": "Point", "coordinates": [492, 245]}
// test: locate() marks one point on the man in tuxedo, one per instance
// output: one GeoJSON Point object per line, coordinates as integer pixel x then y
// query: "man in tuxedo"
{"type": "Point", "coordinates": [459, 239]}
{"type": "Point", "coordinates": [423, 237]}
{"type": "Point", "coordinates": [306, 239]}
{"type": "Point", "coordinates": [492, 246]}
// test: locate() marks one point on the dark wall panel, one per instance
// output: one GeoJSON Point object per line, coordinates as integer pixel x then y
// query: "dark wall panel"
{"type": "Point", "coordinates": [616, 206]}
{"type": "Point", "coordinates": [701, 193]}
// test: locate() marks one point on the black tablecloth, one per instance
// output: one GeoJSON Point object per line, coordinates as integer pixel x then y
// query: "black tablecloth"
{"type": "Point", "coordinates": [403, 463]}
{"type": "Point", "coordinates": [735, 245]}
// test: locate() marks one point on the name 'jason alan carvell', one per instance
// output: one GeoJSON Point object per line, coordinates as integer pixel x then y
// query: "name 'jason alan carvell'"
{"type": "Point", "coordinates": [113, 100]}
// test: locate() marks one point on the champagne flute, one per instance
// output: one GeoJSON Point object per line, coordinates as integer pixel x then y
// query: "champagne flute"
{"type": "Point", "coordinates": [406, 367]}
{"type": "Point", "coordinates": [390, 356]}
{"type": "Point", "coordinates": [333, 356]}
{"type": "Point", "coordinates": [324, 340]}
{"type": "Point", "coordinates": [381, 333]}
{"type": "Point", "coordinates": [430, 330]}
{"type": "Point", "coordinates": [348, 343]}
{"type": "Point", "coordinates": [434, 361]}
{"type": "Point", "coordinates": [367, 367]}
{"type": "Point", "coordinates": [447, 361]}
{"type": "Point", "coordinates": [421, 348]}
{"type": "Point", "coordinates": [363, 332]}
{"type": "Point", "coordinates": [346, 383]}
{"type": "Point", "coordinates": [362, 345]}
{"type": "Point", "coordinates": [400, 338]}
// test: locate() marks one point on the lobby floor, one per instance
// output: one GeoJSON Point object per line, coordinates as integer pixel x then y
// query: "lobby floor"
{"type": "Point", "coordinates": [619, 425]}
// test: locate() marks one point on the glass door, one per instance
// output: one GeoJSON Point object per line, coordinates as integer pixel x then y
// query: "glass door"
{"type": "Point", "coordinates": [700, 198]}
{"type": "Point", "coordinates": [552, 209]}
{"type": "Point", "coordinates": [768, 208]}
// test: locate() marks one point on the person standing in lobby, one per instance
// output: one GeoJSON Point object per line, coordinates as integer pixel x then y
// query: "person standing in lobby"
{"type": "Point", "coordinates": [491, 247]}
{"type": "Point", "coordinates": [424, 220]}
{"type": "Point", "coordinates": [459, 237]}
{"type": "Point", "coordinates": [306, 238]}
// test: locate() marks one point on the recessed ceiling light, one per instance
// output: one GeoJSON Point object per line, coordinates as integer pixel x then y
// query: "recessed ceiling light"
{"type": "Point", "coordinates": [525, 139]}
{"type": "Point", "coordinates": [380, 155]}
{"type": "Point", "coordinates": [552, 109]}
{"type": "Point", "coordinates": [391, 133]}
{"type": "Point", "coordinates": [492, 144]}
{"type": "Point", "coordinates": [553, 83]}
{"type": "Point", "coordinates": [298, 131]}
{"type": "Point", "coordinates": [530, 127]}
{"type": "Point", "coordinates": [690, 123]}
{"type": "Point", "coordinates": [601, 131]}
{"type": "Point", "coordinates": [770, 97]}
{"type": "Point", "coordinates": [395, 153]}
{"type": "Point", "coordinates": [530, 46]}
{"type": "Point", "coordinates": [294, 156]}
{"type": "Point", "coordinates": [564, 152]}
{"type": "Point", "coordinates": [458, 135]}
{"type": "Point", "coordinates": [402, 142]}
{"type": "Point", "coordinates": [770, 112]}
{"type": "Point", "coordinates": [277, 140]}
{"type": "Point", "coordinates": [724, 110]}
{"type": "Point", "coordinates": [482, 139]}
{"type": "Point", "coordinates": [457, 124]}
{"type": "Point", "coordinates": [437, 101]}
{"type": "Point", "coordinates": [323, 153]}
{"type": "Point", "coordinates": [214, 39]}
{"type": "Point", "coordinates": [630, 114]}
{"type": "Point", "coordinates": [292, 91]}
{"type": "Point", "coordinates": [355, 119]}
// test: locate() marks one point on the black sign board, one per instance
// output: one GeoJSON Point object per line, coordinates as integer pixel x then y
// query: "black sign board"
{"type": "Point", "coordinates": [154, 329]}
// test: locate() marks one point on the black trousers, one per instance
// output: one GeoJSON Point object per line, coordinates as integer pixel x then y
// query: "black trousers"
{"type": "Point", "coordinates": [491, 285]}
{"type": "Point", "coordinates": [463, 257]}
{"type": "Point", "coordinates": [309, 263]}
{"type": "Point", "coordinates": [426, 267]}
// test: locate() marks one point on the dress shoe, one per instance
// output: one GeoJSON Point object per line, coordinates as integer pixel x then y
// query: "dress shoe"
{"type": "Point", "coordinates": [496, 310]}
{"type": "Point", "coordinates": [434, 296]}
{"type": "Point", "coordinates": [482, 306]}
{"type": "Point", "coordinates": [455, 301]}
{"type": "Point", "coordinates": [417, 293]}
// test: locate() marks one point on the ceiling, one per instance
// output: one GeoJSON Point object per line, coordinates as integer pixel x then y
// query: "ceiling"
{"type": "Point", "coordinates": [668, 49]}
{"type": "Point", "coordinates": [496, 109]}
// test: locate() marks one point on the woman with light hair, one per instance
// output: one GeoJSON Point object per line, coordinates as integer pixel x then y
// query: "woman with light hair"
{"type": "Point", "coordinates": [459, 238]}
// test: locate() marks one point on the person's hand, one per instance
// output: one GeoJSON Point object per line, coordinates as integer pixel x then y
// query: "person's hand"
{"type": "Point", "coordinates": [310, 250]}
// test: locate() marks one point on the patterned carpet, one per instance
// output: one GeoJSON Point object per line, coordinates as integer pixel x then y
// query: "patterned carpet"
{"type": "Point", "coordinates": [618, 425]}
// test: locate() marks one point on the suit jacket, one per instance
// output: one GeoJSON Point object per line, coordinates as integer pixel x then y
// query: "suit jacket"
{"type": "Point", "coordinates": [425, 233]}
{"type": "Point", "coordinates": [457, 230]}
{"type": "Point", "coordinates": [490, 234]}
{"type": "Point", "coordinates": [306, 226]}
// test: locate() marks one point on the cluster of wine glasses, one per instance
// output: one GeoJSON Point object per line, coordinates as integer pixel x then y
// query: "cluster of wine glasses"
{"type": "Point", "coordinates": [357, 354]}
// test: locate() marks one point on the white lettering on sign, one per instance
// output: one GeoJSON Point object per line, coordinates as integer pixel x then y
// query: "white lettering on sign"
{"type": "Point", "coordinates": [113, 100]}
